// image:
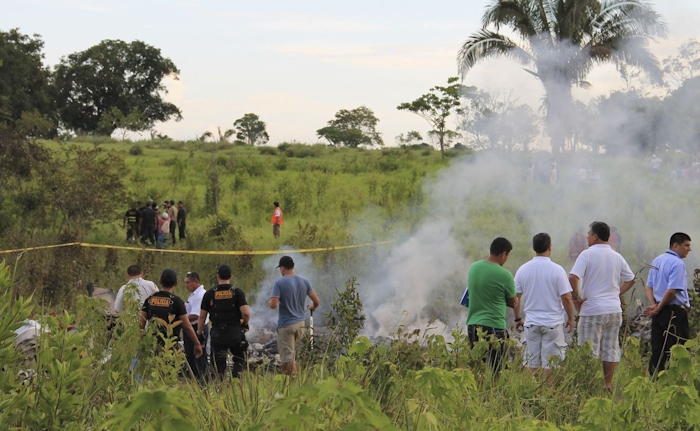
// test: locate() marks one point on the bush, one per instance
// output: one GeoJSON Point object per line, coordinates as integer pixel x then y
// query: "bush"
{"type": "Point", "coordinates": [267, 151]}
{"type": "Point", "coordinates": [136, 150]}
{"type": "Point", "coordinates": [302, 151]}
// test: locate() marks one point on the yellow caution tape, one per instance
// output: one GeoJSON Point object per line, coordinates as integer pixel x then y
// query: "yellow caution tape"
{"type": "Point", "coordinates": [210, 252]}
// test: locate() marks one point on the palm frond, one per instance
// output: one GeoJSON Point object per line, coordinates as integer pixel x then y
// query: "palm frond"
{"type": "Point", "coordinates": [485, 44]}
{"type": "Point", "coordinates": [635, 52]}
{"type": "Point", "coordinates": [640, 17]}
{"type": "Point", "coordinates": [515, 14]}
{"type": "Point", "coordinates": [578, 17]}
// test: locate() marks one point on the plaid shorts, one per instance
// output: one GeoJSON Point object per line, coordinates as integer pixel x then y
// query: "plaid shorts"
{"type": "Point", "coordinates": [603, 333]}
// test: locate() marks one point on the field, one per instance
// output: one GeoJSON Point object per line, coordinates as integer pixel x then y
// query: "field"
{"type": "Point", "coordinates": [440, 215]}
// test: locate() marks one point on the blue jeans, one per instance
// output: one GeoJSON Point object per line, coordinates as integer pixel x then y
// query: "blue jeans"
{"type": "Point", "coordinates": [163, 240]}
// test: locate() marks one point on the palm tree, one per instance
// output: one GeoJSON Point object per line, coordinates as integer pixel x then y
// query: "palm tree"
{"type": "Point", "coordinates": [559, 42]}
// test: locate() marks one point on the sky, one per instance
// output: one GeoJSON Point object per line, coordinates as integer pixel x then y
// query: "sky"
{"type": "Point", "coordinates": [295, 64]}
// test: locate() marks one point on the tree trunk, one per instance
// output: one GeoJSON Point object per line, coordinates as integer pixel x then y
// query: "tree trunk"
{"type": "Point", "coordinates": [442, 145]}
{"type": "Point", "coordinates": [559, 107]}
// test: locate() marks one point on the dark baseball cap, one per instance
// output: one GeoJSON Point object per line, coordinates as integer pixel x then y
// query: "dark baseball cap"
{"type": "Point", "coordinates": [286, 262]}
{"type": "Point", "coordinates": [224, 272]}
{"type": "Point", "coordinates": [168, 278]}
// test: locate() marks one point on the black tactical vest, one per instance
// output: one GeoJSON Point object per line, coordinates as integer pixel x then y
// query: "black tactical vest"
{"type": "Point", "coordinates": [161, 305]}
{"type": "Point", "coordinates": [131, 216]}
{"type": "Point", "coordinates": [224, 308]}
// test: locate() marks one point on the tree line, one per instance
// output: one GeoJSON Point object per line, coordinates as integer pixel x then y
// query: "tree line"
{"type": "Point", "coordinates": [118, 85]}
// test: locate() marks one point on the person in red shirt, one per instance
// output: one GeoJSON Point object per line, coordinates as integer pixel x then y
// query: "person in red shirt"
{"type": "Point", "coordinates": [577, 244]}
{"type": "Point", "coordinates": [276, 219]}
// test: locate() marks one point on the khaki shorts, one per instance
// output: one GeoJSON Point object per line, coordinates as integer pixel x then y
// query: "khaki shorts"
{"type": "Point", "coordinates": [603, 333]}
{"type": "Point", "coordinates": [543, 342]}
{"type": "Point", "coordinates": [287, 338]}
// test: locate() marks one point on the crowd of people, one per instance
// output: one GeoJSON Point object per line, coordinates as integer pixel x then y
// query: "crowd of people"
{"type": "Point", "coordinates": [154, 225]}
{"type": "Point", "coordinates": [218, 318]}
{"type": "Point", "coordinates": [544, 300]}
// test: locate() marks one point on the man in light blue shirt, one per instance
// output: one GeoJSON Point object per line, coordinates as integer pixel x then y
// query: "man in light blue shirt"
{"type": "Point", "coordinates": [667, 292]}
{"type": "Point", "coordinates": [290, 292]}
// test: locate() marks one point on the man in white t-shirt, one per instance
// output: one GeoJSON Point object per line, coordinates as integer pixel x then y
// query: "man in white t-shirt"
{"type": "Point", "coordinates": [144, 288]}
{"type": "Point", "coordinates": [545, 296]}
{"type": "Point", "coordinates": [193, 306]}
{"type": "Point", "coordinates": [604, 275]}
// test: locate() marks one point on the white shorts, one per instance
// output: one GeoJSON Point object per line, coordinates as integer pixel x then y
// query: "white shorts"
{"type": "Point", "coordinates": [543, 342]}
{"type": "Point", "coordinates": [603, 332]}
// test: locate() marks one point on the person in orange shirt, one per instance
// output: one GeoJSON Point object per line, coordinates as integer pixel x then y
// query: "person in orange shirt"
{"type": "Point", "coordinates": [276, 220]}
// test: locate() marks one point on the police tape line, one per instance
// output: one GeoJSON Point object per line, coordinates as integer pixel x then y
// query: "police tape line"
{"type": "Point", "coordinates": [205, 252]}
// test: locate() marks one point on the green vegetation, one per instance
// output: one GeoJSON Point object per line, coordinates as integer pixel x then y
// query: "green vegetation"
{"type": "Point", "coordinates": [412, 382]}
{"type": "Point", "coordinates": [85, 186]}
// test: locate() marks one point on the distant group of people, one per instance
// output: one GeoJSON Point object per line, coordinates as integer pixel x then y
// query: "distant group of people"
{"type": "Point", "coordinates": [543, 171]}
{"type": "Point", "coordinates": [153, 225]}
{"type": "Point", "coordinates": [687, 170]}
{"type": "Point", "coordinates": [219, 316]}
{"type": "Point", "coordinates": [545, 295]}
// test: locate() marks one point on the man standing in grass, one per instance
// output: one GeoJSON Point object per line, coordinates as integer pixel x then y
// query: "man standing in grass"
{"type": "Point", "coordinates": [181, 219]}
{"type": "Point", "coordinates": [276, 219]}
{"type": "Point", "coordinates": [491, 290]}
{"type": "Point", "coordinates": [132, 218]}
{"type": "Point", "coordinates": [606, 275]}
{"type": "Point", "coordinates": [198, 366]}
{"type": "Point", "coordinates": [165, 308]}
{"type": "Point", "coordinates": [173, 214]}
{"type": "Point", "coordinates": [667, 292]}
{"type": "Point", "coordinates": [545, 294]}
{"type": "Point", "coordinates": [144, 288]}
{"type": "Point", "coordinates": [290, 292]}
{"type": "Point", "coordinates": [148, 224]}
{"type": "Point", "coordinates": [230, 314]}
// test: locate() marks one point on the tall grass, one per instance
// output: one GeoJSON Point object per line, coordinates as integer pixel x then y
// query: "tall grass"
{"type": "Point", "coordinates": [81, 380]}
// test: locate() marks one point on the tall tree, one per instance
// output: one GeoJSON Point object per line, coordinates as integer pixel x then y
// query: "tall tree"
{"type": "Point", "coordinates": [561, 40]}
{"type": "Point", "coordinates": [436, 107]}
{"type": "Point", "coordinates": [114, 75]}
{"type": "Point", "coordinates": [681, 128]}
{"type": "Point", "coordinates": [251, 130]}
{"type": "Point", "coordinates": [683, 66]}
{"type": "Point", "coordinates": [352, 128]}
{"type": "Point", "coordinates": [24, 81]}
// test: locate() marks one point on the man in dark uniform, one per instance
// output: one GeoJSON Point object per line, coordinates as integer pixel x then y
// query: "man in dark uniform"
{"type": "Point", "coordinates": [163, 306]}
{"type": "Point", "coordinates": [148, 224]}
{"type": "Point", "coordinates": [229, 314]}
{"type": "Point", "coordinates": [181, 219]}
{"type": "Point", "coordinates": [132, 218]}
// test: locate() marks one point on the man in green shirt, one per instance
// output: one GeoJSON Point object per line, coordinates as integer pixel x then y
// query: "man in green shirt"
{"type": "Point", "coordinates": [491, 290]}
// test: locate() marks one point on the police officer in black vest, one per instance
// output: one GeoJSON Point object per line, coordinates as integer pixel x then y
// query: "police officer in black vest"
{"type": "Point", "coordinates": [132, 218]}
{"type": "Point", "coordinates": [159, 307]}
{"type": "Point", "coordinates": [229, 315]}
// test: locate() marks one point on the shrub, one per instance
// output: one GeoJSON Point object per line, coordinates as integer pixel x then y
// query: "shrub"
{"type": "Point", "coordinates": [136, 150]}
{"type": "Point", "coordinates": [282, 163]}
{"type": "Point", "coordinates": [267, 151]}
{"type": "Point", "coordinates": [302, 151]}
